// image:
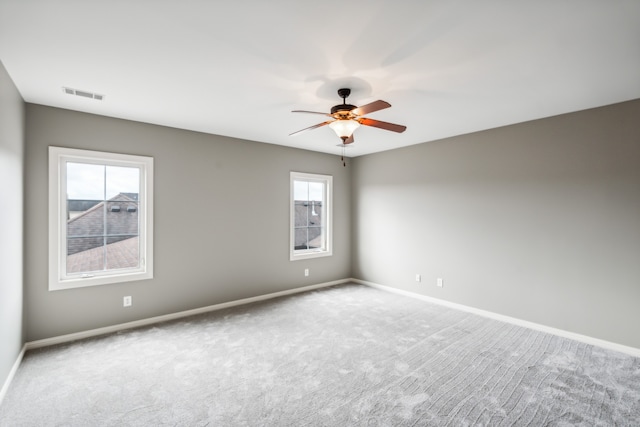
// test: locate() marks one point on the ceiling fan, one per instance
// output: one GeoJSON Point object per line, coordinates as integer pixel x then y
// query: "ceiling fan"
{"type": "Point", "coordinates": [347, 118]}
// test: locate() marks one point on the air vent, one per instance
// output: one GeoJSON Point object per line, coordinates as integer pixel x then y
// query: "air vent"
{"type": "Point", "coordinates": [82, 93]}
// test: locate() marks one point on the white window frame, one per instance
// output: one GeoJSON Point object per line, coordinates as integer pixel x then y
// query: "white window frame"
{"type": "Point", "coordinates": [58, 277]}
{"type": "Point", "coordinates": [327, 214]}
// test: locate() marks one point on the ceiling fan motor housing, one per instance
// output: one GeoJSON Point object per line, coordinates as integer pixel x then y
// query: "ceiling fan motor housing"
{"type": "Point", "coordinates": [342, 108]}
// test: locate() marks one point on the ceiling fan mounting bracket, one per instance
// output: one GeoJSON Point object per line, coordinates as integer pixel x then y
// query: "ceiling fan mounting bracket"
{"type": "Point", "coordinates": [344, 92]}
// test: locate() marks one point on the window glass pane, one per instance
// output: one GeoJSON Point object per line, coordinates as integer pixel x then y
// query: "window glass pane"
{"type": "Point", "coordinates": [316, 191]}
{"type": "Point", "coordinates": [85, 222]}
{"type": "Point", "coordinates": [122, 252]}
{"type": "Point", "coordinates": [122, 217]}
{"type": "Point", "coordinates": [315, 214]}
{"type": "Point", "coordinates": [301, 212]}
{"type": "Point", "coordinates": [85, 181]}
{"type": "Point", "coordinates": [308, 214]}
{"type": "Point", "coordinates": [301, 239]}
{"type": "Point", "coordinates": [85, 192]}
{"type": "Point", "coordinates": [315, 238]}
{"type": "Point", "coordinates": [122, 180]}
{"type": "Point", "coordinates": [102, 202]}
{"type": "Point", "coordinates": [300, 190]}
{"type": "Point", "coordinates": [86, 254]}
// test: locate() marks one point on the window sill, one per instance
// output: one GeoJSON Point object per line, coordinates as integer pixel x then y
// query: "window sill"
{"type": "Point", "coordinates": [97, 280]}
{"type": "Point", "coordinates": [308, 255]}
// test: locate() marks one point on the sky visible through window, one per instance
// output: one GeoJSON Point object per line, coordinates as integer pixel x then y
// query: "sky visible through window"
{"type": "Point", "coordinates": [305, 190]}
{"type": "Point", "coordinates": [87, 181]}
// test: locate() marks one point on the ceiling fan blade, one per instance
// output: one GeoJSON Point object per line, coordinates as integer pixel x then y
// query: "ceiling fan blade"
{"type": "Point", "coordinates": [382, 125]}
{"type": "Point", "coordinates": [311, 112]}
{"type": "Point", "coordinates": [349, 140]}
{"type": "Point", "coordinates": [311, 127]}
{"type": "Point", "coordinates": [370, 108]}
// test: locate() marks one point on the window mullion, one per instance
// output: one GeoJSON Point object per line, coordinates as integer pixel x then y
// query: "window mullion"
{"type": "Point", "coordinates": [307, 229]}
{"type": "Point", "coordinates": [104, 219]}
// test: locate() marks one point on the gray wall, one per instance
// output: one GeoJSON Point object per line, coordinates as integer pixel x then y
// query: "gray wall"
{"type": "Point", "coordinates": [11, 210]}
{"type": "Point", "coordinates": [221, 221]}
{"type": "Point", "coordinates": [539, 221]}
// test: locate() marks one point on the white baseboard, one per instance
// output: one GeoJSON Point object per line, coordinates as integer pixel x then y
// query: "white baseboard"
{"type": "Point", "coordinates": [12, 373]}
{"type": "Point", "coordinates": [632, 351]}
{"type": "Point", "coordinates": [158, 319]}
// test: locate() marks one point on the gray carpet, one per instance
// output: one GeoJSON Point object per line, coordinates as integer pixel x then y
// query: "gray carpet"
{"type": "Point", "coordinates": [347, 355]}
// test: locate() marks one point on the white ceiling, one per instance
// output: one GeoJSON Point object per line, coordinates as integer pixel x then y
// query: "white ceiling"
{"type": "Point", "coordinates": [238, 68]}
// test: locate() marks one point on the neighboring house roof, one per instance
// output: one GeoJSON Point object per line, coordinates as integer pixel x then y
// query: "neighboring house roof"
{"type": "Point", "coordinates": [114, 222]}
{"type": "Point", "coordinates": [308, 214]}
{"type": "Point", "coordinates": [75, 205]}
{"type": "Point", "coordinates": [307, 211]}
{"type": "Point", "coordinates": [132, 196]}
{"type": "Point", "coordinates": [87, 230]}
{"type": "Point", "coordinates": [122, 254]}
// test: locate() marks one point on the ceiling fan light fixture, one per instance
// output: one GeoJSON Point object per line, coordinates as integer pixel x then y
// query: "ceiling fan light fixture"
{"type": "Point", "coordinates": [344, 128]}
{"type": "Point", "coordinates": [346, 118]}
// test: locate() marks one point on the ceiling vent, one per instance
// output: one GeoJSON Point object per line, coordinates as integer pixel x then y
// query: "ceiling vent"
{"type": "Point", "coordinates": [82, 93]}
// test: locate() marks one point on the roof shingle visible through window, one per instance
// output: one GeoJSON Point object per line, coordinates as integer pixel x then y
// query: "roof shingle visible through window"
{"type": "Point", "coordinates": [87, 230]}
{"type": "Point", "coordinates": [122, 254]}
{"type": "Point", "coordinates": [91, 247]}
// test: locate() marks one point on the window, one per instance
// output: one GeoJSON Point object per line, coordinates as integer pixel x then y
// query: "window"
{"type": "Point", "coordinates": [310, 215]}
{"type": "Point", "coordinates": [100, 218]}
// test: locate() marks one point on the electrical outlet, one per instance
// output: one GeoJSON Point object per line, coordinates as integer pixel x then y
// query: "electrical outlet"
{"type": "Point", "coordinates": [306, 272]}
{"type": "Point", "coordinates": [418, 278]}
{"type": "Point", "coordinates": [126, 301]}
{"type": "Point", "coordinates": [439, 282]}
